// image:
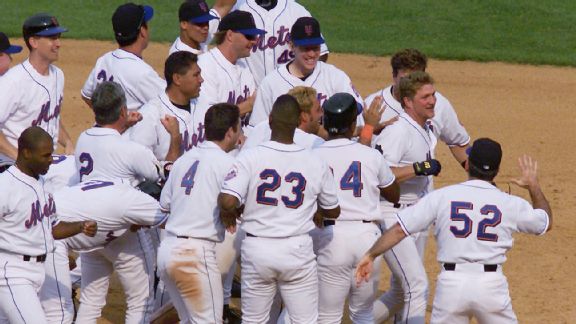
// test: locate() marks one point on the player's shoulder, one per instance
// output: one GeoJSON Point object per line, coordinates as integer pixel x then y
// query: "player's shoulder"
{"type": "Point", "coordinates": [153, 107]}
{"type": "Point", "coordinates": [13, 76]}
{"type": "Point", "coordinates": [442, 102]}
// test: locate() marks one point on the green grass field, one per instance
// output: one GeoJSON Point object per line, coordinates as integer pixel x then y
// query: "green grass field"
{"type": "Point", "coordinates": [522, 31]}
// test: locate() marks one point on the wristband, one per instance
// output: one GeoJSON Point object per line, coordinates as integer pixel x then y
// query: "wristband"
{"type": "Point", "coordinates": [367, 132]}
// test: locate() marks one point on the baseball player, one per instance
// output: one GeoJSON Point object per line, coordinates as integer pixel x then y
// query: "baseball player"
{"type": "Point", "coordinates": [226, 78]}
{"type": "Point", "coordinates": [474, 226]}
{"type": "Point", "coordinates": [183, 78]}
{"type": "Point", "coordinates": [28, 224]}
{"type": "Point", "coordinates": [196, 19]}
{"type": "Point", "coordinates": [305, 70]}
{"type": "Point", "coordinates": [56, 292]}
{"type": "Point", "coordinates": [125, 64]}
{"type": "Point", "coordinates": [362, 175]}
{"type": "Point", "coordinates": [187, 256]}
{"type": "Point", "coordinates": [310, 117]}
{"type": "Point", "coordinates": [408, 147]}
{"type": "Point", "coordinates": [6, 49]}
{"type": "Point", "coordinates": [31, 93]}
{"type": "Point", "coordinates": [115, 206]}
{"type": "Point", "coordinates": [103, 153]}
{"type": "Point", "coordinates": [444, 124]}
{"type": "Point", "coordinates": [280, 184]}
{"type": "Point", "coordinates": [272, 49]}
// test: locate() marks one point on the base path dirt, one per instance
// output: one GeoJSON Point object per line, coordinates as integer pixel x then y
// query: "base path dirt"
{"type": "Point", "coordinates": [528, 109]}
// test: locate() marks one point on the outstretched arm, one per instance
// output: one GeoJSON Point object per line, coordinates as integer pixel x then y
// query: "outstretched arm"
{"type": "Point", "coordinates": [529, 180]}
{"type": "Point", "coordinates": [390, 238]}
{"type": "Point", "coordinates": [64, 230]}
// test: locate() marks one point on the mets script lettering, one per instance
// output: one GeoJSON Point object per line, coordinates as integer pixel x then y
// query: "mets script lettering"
{"type": "Point", "coordinates": [38, 213]}
{"type": "Point", "coordinates": [189, 142]}
{"type": "Point", "coordinates": [45, 116]}
{"type": "Point", "coordinates": [271, 42]}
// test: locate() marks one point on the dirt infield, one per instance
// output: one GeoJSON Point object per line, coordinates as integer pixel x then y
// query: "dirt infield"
{"type": "Point", "coordinates": [527, 108]}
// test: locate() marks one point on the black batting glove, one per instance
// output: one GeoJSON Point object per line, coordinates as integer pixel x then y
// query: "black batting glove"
{"type": "Point", "coordinates": [428, 167]}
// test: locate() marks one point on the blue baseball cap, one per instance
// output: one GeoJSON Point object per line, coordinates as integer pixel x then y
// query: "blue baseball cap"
{"type": "Point", "coordinates": [306, 32]}
{"type": "Point", "coordinates": [6, 47]}
{"type": "Point", "coordinates": [240, 22]}
{"type": "Point", "coordinates": [42, 24]}
{"type": "Point", "coordinates": [129, 17]}
{"type": "Point", "coordinates": [195, 11]}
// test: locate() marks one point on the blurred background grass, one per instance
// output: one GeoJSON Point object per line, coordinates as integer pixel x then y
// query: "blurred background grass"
{"type": "Point", "coordinates": [523, 31]}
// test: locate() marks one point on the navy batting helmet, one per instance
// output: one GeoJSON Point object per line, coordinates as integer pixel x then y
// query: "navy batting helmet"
{"type": "Point", "coordinates": [339, 113]}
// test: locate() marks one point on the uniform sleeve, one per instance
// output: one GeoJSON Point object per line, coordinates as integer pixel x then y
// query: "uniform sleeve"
{"type": "Point", "coordinates": [419, 217]}
{"type": "Point", "coordinates": [263, 103]}
{"type": "Point", "coordinates": [392, 146]}
{"type": "Point", "coordinates": [451, 131]}
{"type": "Point", "coordinates": [385, 175]}
{"type": "Point", "coordinates": [8, 98]}
{"type": "Point", "coordinates": [328, 197]}
{"type": "Point", "coordinates": [237, 180]}
{"type": "Point", "coordinates": [145, 164]}
{"type": "Point", "coordinates": [89, 84]}
{"type": "Point", "coordinates": [143, 210]}
{"type": "Point", "coordinates": [144, 132]}
{"type": "Point", "coordinates": [530, 220]}
{"type": "Point", "coordinates": [149, 86]}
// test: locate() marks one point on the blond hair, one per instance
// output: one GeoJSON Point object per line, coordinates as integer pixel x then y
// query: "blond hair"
{"type": "Point", "coordinates": [305, 97]}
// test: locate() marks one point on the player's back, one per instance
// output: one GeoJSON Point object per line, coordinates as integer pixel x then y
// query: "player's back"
{"type": "Point", "coordinates": [191, 192]}
{"type": "Point", "coordinates": [104, 153]}
{"type": "Point", "coordinates": [261, 133]}
{"type": "Point", "coordinates": [138, 79]}
{"type": "Point", "coordinates": [475, 221]}
{"type": "Point", "coordinates": [113, 203]}
{"type": "Point", "coordinates": [284, 183]}
{"type": "Point", "coordinates": [358, 171]}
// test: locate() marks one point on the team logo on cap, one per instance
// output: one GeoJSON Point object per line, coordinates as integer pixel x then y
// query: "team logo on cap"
{"type": "Point", "coordinates": [308, 29]}
{"type": "Point", "coordinates": [203, 6]}
{"type": "Point", "coordinates": [54, 21]}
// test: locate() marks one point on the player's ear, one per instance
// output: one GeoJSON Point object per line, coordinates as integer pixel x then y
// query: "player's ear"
{"type": "Point", "coordinates": [466, 165]}
{"type": "Point", "coordinates": [183, 25]}
{"type": "Point", "coordinates": [229, 35]}
{"type": "Point", "coordinates": [176, 79]}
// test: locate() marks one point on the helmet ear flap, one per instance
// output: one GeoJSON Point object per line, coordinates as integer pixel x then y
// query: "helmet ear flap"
{"type": "Point", "coordinates": [340, 112]}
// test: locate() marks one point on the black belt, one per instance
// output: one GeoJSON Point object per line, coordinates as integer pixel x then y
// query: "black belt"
{"type": "Point", "coordinates": [487, 267]}
{"type": "Point", "coordinates": [250, 235]}
{"type": "Point", "coordinates": [40, 258]}
{"type": "Point", "coordinates": [330, 222]}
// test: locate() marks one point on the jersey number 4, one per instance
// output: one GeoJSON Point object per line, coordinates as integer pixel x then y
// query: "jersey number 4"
{"type": "Point", "coordinates": [188, 179]}
{"type": "Point", "coordinates": [352, 179]}
{"type": "Point", "coordinates": [456, 214]}
{"type": "Point", "coordinates": [295, 178]}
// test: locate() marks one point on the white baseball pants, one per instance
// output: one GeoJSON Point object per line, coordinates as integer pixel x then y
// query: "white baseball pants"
{"type": "Point", "coordinates": [56, 292]}
{"type": "Point", "coordinates": [339, 248]}
{"type": "Point", "coordinates": [489, 303]}
{"type": "Point", "coordinates": [20, 282]}
{"type": "Point", "coordinates": [407, 297]}
{"type": "Point", "coordinates": [190, 273]}
{"type": "Point", "coordinates": [127, 256]}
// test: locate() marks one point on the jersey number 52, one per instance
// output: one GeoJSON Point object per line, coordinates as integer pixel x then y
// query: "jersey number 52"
{"type": "Point", "coordinates": [456, 214]}
{"type": "Point", "coordinates": [295, 178]}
